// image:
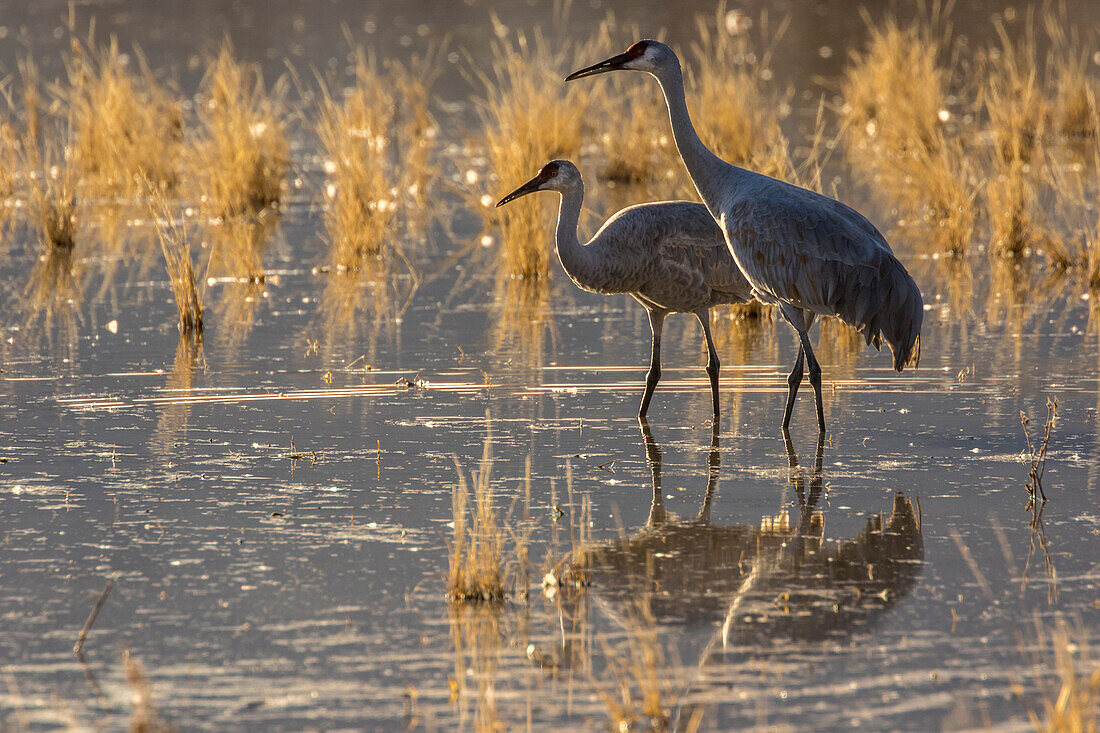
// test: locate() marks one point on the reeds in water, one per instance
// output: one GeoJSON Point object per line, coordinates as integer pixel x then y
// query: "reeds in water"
{"type": "Point", "coordinates": [242, 156]}
{"type": "Point", "coordinates": [1016, 109]}
{"type": "Point", "coordinates": [52, 193]}
{"type": "Point", "coordinates": [895, 116]}
{"type": "Point", "coordinates": [527, 117]}
{"type": "Point", "coordinates": [737, 117]}
{"type": "Point", "coordinates": [127, 129]}
{"type": "Point", "coordinates": [175, 244]}
{"type": "Point", "coordinates": [359, 176]}
{"type": "Point", "coordinates": [476, 558]}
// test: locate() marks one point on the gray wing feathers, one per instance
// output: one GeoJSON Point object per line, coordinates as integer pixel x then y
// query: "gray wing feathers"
{"type": "Point", "coordinates": [672, 252]}
{"type": "Point", "coordinates": [820, 255]}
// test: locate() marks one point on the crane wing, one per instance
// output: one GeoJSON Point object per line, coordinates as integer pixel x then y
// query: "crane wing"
{"type": "Point", "coordinates": [817, 254]}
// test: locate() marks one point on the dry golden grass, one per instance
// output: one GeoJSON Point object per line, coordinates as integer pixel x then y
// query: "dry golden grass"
{"type": "Point", "coordinates": [1073, 705]}
{"type": "Point", "coordinates": [9, 163]}
{"type": "Point", "coordinates": [895, 111]}
{"type": "Point", "coordinates": [32, 101]}
{"type": "Point", "coordinates": [144, 717]}
{"type": "Point", "coordinates": [642, 696]}
{"type": "Point", "coordinates": [175, 244]}
{"type": "Point", "coordinates": [360, 184]}
{"type": "Point", "coordinates": [416, 129]}
{"type": "Point", "coordinates": [1013, 100]}
{"type": "Point", "coordinates": [241, 158]}
{"type": "Point", "coordinates": [476, 558]}
{"type": "Point", "coordinates": [53, 194]}
{"type": "Point", "coordinates": [1011, 201]}
{"type": "Point", "coordinates": [477, 633]}
{"type": "Point", "coordinates": [638, 147]}
{"type": "Point", "coordinates": [736, 117]}
{"type": "Point", "coordinates": [1072, 106]}
{"type": "Point", "coordinates": [127, 129]}
{"type": "Point", "coordinates": [527, 117]}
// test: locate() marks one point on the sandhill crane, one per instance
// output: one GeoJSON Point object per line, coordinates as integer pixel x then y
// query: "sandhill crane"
{"type": "Point", "coordinates": [804, 252]}
{"type": "Point", "coordinates": [669, 256]}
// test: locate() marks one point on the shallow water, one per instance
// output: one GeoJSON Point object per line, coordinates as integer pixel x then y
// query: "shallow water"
{"type": "Point", "coordinates": [275, 514]}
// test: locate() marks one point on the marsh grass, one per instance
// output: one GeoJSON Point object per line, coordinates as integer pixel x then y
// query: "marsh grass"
{"type": "Point", "coordinates": [127, 128]}
{"type": "Point", "coordinates": [53, 192]}
{"type": "Point", "coordinates": [9, 163]}
{"type": "Point", "coordinates": [1016, 109]}
{"type": "Point", "coordinates": [635, 688]}
{"type": "Point", "coordinates": [895, 115]}
{"type": "Point", "coordinates": [416, 129]}
{"type": "Point", "coordinates": [1073, 111]}
{"type": "Point", "coordinates": [241, 157]}
{"type": "Point", "coordinates": [1073, 703]}
{"type": "Point", "coordinates": [360, 185]}
{"type": "Point", "coordinates": [738, 117]}
{"type": "Point", "coordinates": [175, 243]}
{"type": "Point", "coordinates": [476, 554]}
{"type": "Point", "coordinates": [527, 117]}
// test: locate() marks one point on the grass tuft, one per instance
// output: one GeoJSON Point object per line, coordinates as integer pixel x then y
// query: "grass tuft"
{"type": "Point", "coordinates": [738, 119]}
{"type": "Point", "coordinates": [53, 196]}
{"type": "Point", "coordinates": [895, 115]}
{"type": "Point", "coordinates": [527, 117]}
{"type": "Point", "coordinates": [1074, 703]}
{"type": "Point", "coordinates": [476, 560]}
{"type": "Point", "coordinates": [127, 129]}
{"type": "Point", "coordinates": [175, 244]}
{"type": "Point", "coordinates": [355, 133]}
{"type": "Point", "coordinates": [242, 156]}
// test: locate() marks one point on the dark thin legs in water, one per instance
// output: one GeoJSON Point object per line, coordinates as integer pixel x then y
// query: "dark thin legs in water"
{"type": "Point", "coordinates": [794, 379]}
{"type": "Point", "coordinates": [713, 365]}
{"type": "Point", "coordinates": [801, 321]}
{"type": "Point", "coordinates": [815, 378]}
{"type": "Point", "coordinates": [656, 323]}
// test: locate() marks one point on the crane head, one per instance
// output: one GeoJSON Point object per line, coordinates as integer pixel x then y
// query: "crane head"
{"type": "Point", "coordinates": [557, 175]}
{"type": "Point", "coordinates": [645, 55]}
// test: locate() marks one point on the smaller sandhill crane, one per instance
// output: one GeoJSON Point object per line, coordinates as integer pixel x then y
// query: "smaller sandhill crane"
{"type": "Point", "coordinates": [669, 256]}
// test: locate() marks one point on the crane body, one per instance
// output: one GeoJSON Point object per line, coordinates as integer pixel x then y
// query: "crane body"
{"type": "Point", "coordinates": [670, 256]}
{"type": "Point", "coordinates": [806, 253]}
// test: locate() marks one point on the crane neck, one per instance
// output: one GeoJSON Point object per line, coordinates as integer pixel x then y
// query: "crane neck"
{"type": "Point", "coordinates": [705, 168]}
{"type": "Point", "coordinates": [571, 252]}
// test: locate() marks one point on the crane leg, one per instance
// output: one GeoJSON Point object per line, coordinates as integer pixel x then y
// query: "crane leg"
{"type": "Point", "coordinates": [815, 377]}
{"type": "Point", "coordinates": [656, 323]}
{"type": "Point", "coordinates": [793, 380]}
{"type": "Point", "coordinates": [713, 365]}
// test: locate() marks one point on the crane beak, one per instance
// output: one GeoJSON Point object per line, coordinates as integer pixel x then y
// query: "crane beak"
{"type": "Point", "coordinates": [612, 64]}
{"type": "Point", "coordinates": [529, 187]}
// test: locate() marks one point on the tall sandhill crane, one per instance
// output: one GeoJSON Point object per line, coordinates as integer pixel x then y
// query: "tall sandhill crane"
{"type": "Point", "coordinates": [806, 253]}
{"type": "Point", "coordinates": [669, 256]}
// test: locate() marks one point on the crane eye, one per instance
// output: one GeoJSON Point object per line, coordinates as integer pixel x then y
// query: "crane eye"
{"type": "Point", "coordinates": [553, 172]}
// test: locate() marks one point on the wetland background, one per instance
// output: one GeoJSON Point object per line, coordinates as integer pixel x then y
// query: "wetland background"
{"type": "Point", "coordinates": [260, 319]}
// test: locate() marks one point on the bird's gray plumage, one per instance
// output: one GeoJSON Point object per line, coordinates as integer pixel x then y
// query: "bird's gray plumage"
{"type": "Point", "coordinates": [670, 256]}
{"type": "Point", "coordinates": [812, 252]}
{"type": "Point", "coordinates": [807, 253]}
